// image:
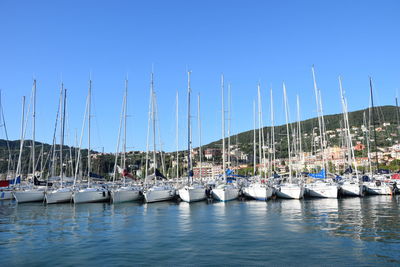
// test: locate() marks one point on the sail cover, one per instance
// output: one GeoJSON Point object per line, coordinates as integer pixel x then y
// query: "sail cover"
{"type": "Point", "coordinates": [320, 175]}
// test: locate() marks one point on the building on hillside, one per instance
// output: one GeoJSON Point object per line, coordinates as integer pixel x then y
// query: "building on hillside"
{"type": "Point", "coordinates": [207, 170]}
{"type": "Point", "coordinates": [359, 147]}
{"type": "Point", "coordinates": [210, 153]}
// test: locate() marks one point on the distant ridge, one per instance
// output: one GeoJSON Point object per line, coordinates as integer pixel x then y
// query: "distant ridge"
{"type": "Point", "coordinates": [386, 113]}
{"type": "Point", "coordinates": [103, 164]}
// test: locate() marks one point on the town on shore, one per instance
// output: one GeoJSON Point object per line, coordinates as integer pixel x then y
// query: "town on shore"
{"type": "Point", "coordinates": [328, 156]}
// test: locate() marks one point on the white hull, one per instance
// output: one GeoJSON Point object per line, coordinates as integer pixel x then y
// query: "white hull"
{"type": "Point", "coordinates": [125, 194]}
{"type": "Point", "coordinates": [158, 195]}
{"type": "Point", "coordinates": [61, 195]}
{"type": "Point", "coordinates": [380, 188]}
{"type": "Point", "coordinates": [258, 192]}
{"type": "Point", "coordinates": [323, 191]}
{"type": "Point", "coordinates": [190, 194]}
{"type": "Point", "coordinates": [31, 195]}
{"type": "Point", "coordinates": [290, 191]}
{"type": "Point", "coordinates": [6, 195]}
{"type": "Point", "coordinates": [225, 193]}
{"type": "Point", "coordinates": [352, 189]}
{"type": "Point", "coordinates": [90, 195]}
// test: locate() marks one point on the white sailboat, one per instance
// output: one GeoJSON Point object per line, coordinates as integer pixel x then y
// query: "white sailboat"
{"type": "Point", "coordinates": [191, 192]}
{"type": "Point", "coordinates": [157, 190]}
{"type": "Point", "coordinates": [62, 194]}
{"type": "Point", "coordinates": [351, 185]}
{"type": "Point", "coordinates": [376, 186]}
{"type": "Point", "coordinates": [258, 189]}
{"type": "Point", "coordinates": [321, 187]}
{"type": "Point", "coordinates": [90, 193]}
{"type": "Point", "coordinates": [224, 191]}
{"type": "Point", "coordinates": [125, 192]}
{"type": "Point", "coordinates": [289, 189]}
{"type": "Point", "coordinates": [31, 193]}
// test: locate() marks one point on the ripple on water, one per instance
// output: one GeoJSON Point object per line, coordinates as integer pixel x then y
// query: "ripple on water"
{"type": "Point", "coordinates": [352, 231]}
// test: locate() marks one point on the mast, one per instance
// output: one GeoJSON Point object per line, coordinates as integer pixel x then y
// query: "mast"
{"type": "Point", "coordinates": [367, 139]}
{"type": "Point", "coordinates": [189, 133]}
{"type": "Point", "coordinates": [62, 137]}
{"type": "Point", "coordinates": [154, 124]}
{"type": "Point", "coordinates": [373, 123]}
{"type": "Point", "coordinates": [21, 143]}
{"type": "Point", "coordinates": [318, 102]}
{"type": "Point", "coordinates": [89, 115]}
{"type": "Point", "coordinates": [254, 140]}
{"type": "Point", "coordinates": [33, 128]}
{"type": "Point", "coordinates": [263, 144]}
{"type": "Point", "coordinates": [347, 125]}
{"type": "Point", "coordinates": [259, 122]}
{"type": "Point", "coordinates": [119, 138]}
{"type": "Point", "coordinates": [287, 131]}
{"type": "Point", "coordinates": [125, 117]}
{"type": "Point", "coordinates": [159, 134]}
{"type": "Point", "coordinates": [223, 127]}
{"type": "Point", "coordinates": [41, 158]}
{"type": "Point", "coordinates": [299, 129]}
{"type": "Point", "coordinates": [272, 128]}
{"type": "Point", "coordinates": [199, 127]}
{"type": "Point", "coordinates": [58, 117]}
{"type": "Point", "coordinates": [229, 125]}
{"type": "Point", "coordinates": [148, 126]}
{"type": "Point", "coordinates": [78, 165]}
{"type": "Point", "coordinates": [177, 134]}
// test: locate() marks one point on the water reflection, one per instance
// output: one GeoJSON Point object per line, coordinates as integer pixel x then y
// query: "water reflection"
{"type": "Point", "coordinates": [363, 231]}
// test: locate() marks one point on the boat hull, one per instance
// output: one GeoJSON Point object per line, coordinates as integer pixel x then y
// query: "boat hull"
{"type": "Point", "coordinates": [225, 194]}
{"type": "Point", "coordinates": [24, 196]}
{"type": "Point", "coordinates": [6, 195]}
{"type": "Point", "coordinates": [188, 194]}
{"type": "Point", "coordinates": [125, 195]}
{"type": "Point", "coordinates": [84, 196]}
{"type": "Point", "coordinates": [158, 195]}
{"type": "Point", "coordinates": [290, 192]}
{"type": "Point", "coordinates": [58, 196]}
{"type": "Point", "coordinates": [258, 193]}
{"type": "Point", "coordinates": [352, 190]}
{"type": "Point", "coordinates": [325, 191]}
{"type": "Point", "coordinates": [375, 188]}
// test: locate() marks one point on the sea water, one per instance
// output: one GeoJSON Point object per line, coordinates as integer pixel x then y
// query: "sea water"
{"type": "Point", "coordinates": [350, 231]}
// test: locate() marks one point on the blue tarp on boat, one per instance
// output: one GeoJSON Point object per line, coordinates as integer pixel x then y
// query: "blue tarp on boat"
{"type": "Point", "coordinates": [320, 175]}
{"type": "Point", "coordinates": [15, 181]}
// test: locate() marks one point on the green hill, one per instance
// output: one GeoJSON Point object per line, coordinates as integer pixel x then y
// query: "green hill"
{"type": "Point", "coordinates": [103, 164]}
{"type": "Point", "coordinates": [383, 114]}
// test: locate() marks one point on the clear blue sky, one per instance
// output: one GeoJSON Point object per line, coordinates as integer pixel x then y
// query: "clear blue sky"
{"type": "Point", "coordinates": [248, 41]}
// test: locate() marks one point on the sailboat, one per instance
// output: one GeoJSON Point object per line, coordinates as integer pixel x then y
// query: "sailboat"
{"type": "Point", "coordinates": [289, 189]}
{"type": "Point", "coordinates": [191, 192]}
{"type": "Point", "coordinates": [155, 189]}
{"type": "Point", "coordinates": [224, 191]}
{"type": "Point", "coordinates": [259, 189]}
{"type": "Point", "coordinates": [31, 193]}
{"type": "Point", "coordinates": [321, 187]}
{"type": "Point", "coordinates": [63, 193]}
{"type": "Point", "coordinates": [125, 192]}
{"type": "Point", "coordinates": [351, 185]}
{"type": "Point", "coordinates": [375, 186]}
{"type": "Point", "coordinates": [90, 193]}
